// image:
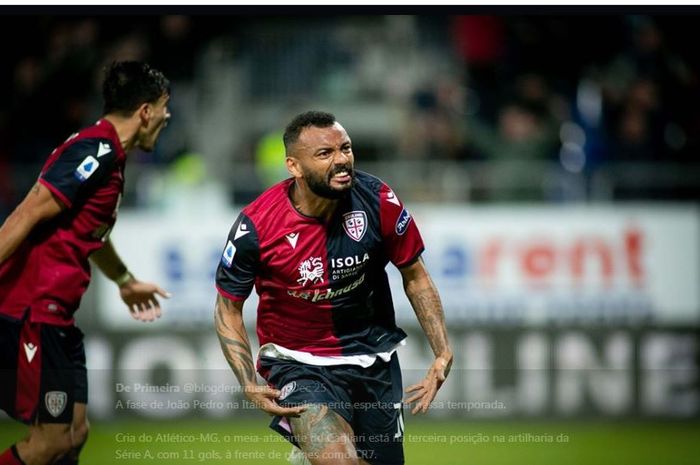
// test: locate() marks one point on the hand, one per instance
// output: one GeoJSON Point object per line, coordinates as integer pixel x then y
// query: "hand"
{"type": "Point", "coordinates": [425, 391]}
{"type": "Point", "coordinates": [264, 398]}
{"type": "Point", "coordinates": [141, 299]}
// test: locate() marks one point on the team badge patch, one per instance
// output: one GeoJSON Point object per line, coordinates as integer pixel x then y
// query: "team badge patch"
{"type": "Point", "coordinates": [402, 222]}
{"type": "Point", "coordinates": [229, 252]}
{"type": "Point", "coordinates": [355, 224]}
{"type": "Point", "coordinates": [287, 389]}
{"type": "Point", "coordinates": [87, 168]}
{"type": "Point", "coordinates": [55, 402]}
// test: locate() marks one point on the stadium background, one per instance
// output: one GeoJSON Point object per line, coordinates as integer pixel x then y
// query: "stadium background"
{"type": "Point", "coordinates": [551, 162]}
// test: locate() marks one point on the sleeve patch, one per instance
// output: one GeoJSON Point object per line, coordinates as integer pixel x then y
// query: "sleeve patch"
{"type": "Point", "coordinates": [86, 168]}
{"type": "Point", "coordinates": [402, 222]}
{"type": "Point", "coordinates": [229, 252]}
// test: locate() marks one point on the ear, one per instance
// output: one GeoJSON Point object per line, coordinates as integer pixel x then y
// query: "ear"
{"type": "Point", "coordinates": [293, 167]}
{"type": "Point", "coordinates": [145, 113]}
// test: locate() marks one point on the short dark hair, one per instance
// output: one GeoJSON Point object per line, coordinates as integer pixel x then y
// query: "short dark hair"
{"type": "Point", "coordinates": [320, 119]}
{"type": "Point", "coordinates": [129, 84]}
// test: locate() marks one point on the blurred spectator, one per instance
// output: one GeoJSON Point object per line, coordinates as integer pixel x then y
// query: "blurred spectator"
{"type": "Point", "coordinates": [646, 88]}
{"type": "Point", "coordinates": [432, 126]}
{"type": "Point", "coordinates": [500, 91]}
{"type": "Point", "coordinates": [525, 134]}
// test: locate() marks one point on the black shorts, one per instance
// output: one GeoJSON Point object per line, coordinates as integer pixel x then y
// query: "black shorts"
{"type": "Point", "coordinates": [42, 369]}
{"type": "Point", "coordinates": [369, 399]}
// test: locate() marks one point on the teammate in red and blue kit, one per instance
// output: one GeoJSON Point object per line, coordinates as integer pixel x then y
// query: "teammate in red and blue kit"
{"type": "Point", "coordinates": [315, 248]}
{"type": "Point", "coordinates": [45, 248]}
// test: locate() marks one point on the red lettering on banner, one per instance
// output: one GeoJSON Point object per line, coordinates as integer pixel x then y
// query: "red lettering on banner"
{"type": "Point", "coordinates": [583, 248]}
{"type": "Point", "coordinates": [541, 260]}
{"type": "Point", "coordinates": [633, 247]}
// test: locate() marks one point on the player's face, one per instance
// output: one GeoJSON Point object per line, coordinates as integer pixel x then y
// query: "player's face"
{"type": "Point", "coordinates": [326, 160]}
{"type": "Point", "coordinates": [158, 119]}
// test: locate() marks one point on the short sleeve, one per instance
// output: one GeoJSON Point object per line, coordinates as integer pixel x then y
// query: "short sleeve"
{"type": "Point", "coordinates": [79, 169]}
{"type": "Point", "coordinates": [235, 276]}
{"type": "Point", "coordinates": [403, 243]}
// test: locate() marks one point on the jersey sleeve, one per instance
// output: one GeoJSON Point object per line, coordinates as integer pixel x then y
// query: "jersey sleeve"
{"type": "Point", "coordinates": [79, 169]}
{"type": "Point", "coordinates": [240, 260]}
{"type": "Point", "coordinates": [403, 243]}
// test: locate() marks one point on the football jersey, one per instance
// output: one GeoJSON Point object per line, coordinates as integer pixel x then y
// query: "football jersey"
{"type": "Point", "coordinates": [49, 272]}
{"type": "Point", "coordinates": [322, 287]}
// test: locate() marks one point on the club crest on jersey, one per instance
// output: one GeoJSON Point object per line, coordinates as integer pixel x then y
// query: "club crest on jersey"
{"type": "Point", "coordinates": [229, 252]}
{"type": "Point", "coordinates": [355, 224]}
{"type": "Point", "coordinates": [86, 168]}
{"type": "Point", "coordinates": [310, 269]}
{"type": "Point", "coordinates": [55, 402]}
{"type": "Point", "coordinates": [402, 222]}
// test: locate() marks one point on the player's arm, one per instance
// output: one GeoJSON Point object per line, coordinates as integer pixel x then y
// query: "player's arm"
{"type": "Point", "coordinates": [228, 318]}
{"type": "Point", "coordinates": [39, 205]}
{"type": "Point", "coordinates": [139, 296]}
{"type": "Point", "coordinates": [425, 300]}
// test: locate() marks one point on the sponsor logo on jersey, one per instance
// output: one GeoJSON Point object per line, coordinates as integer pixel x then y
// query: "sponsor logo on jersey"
{"type": "Point", "coordinates": [327, 294]}
{"type": "Point", "coordinates": [310, 269]}
{"type": "Point", "coordinates": [229, 252]}
{"type": "Point", "coordinates": [391, 198]}
{"type": "Point", "coordinates": [241, 231]}
{"type": "Point", "coordinates": [346, 267]}
{"type": "Point", "coordinates": [87, 168]}
{"type": "Point", "coordinates": [287, 389]}
{"type": "Point", "coordinates": [292, 238]}
{"type": "Point", "coordinates": [355, 224]}
{"type": "Point", "coordinates": [347, 262]}
{"type": "Point", "coordinates": [402, 222]}
{"type": "Point", "coordinates": [55, 402]}
{"type": "Point", "coordinates": [30, 351]}
{"type": "Point", "coordinates": [103, 149]}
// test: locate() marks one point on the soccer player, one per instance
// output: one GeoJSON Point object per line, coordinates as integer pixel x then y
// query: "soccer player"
{"type": "Point", "coordinates": [315, 247]}
{"type": "Point", "coordinates": [45, 245]}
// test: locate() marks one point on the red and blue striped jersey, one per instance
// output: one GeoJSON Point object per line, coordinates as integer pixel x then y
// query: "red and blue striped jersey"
{"type": "Point", "coordinates": [49, 272]}
{"type": "Point", "coordinates": [323, 287]}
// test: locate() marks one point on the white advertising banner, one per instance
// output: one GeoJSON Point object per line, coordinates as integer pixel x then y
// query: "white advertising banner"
{"type": "Point", "coordinates": [495, 265]}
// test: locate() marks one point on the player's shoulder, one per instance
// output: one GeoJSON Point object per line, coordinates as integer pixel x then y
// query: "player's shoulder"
{"type": "Point", "coordinates": [368, 184]}
{"type": "Point", "coordinates": [364, 179]}
{"type": "Point", "coordinates": [270, 204]}
{"type": "Point", "coordinates": [100, 137]}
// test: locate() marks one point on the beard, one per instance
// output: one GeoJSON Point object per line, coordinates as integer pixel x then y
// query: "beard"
{"type": "Point", "coordinates": [322, 187]}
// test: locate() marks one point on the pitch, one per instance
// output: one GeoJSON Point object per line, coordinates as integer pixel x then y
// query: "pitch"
{"type": "Point", "coordinates": [249, 442]}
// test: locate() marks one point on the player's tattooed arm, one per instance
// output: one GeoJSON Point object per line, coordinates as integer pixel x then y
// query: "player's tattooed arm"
{"type": "Point", "coordinates": [39, 205]}
{"type": "Point", "coordinates": [234, 341]}
{"type": "Point", "coordinates": [228, 320]}
{"type": "Point", "coordinates": [425, 300]}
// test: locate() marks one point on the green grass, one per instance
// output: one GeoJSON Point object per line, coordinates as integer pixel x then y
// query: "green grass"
{"type": "Point", "coordinates": [432, 443]}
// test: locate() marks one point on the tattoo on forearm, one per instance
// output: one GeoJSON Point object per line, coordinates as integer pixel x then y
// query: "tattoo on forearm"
{"type": "Point", "coordinates": [235, 345]}
{"type": "Point", "coordinates": [428, 308]}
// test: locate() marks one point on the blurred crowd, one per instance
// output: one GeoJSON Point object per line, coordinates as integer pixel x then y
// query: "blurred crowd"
{"type": "Point", "coordinates": [513, 95]}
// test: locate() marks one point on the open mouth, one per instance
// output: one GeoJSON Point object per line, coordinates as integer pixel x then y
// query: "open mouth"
{"type": "Point", "coordinates": [342, 176]}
